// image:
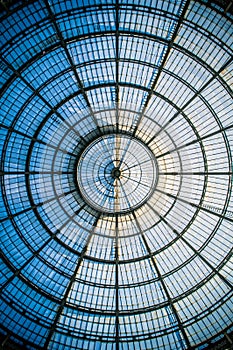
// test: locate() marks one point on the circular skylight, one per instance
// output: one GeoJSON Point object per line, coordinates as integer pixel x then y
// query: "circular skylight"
{"type": "Point", "coordinates": [116, 175]}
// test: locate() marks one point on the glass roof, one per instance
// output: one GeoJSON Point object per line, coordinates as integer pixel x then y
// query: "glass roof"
{"type": "Point", "coordinates": [116, 138]}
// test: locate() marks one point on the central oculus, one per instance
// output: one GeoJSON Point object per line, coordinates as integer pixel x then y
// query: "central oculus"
{"type": "Point", "coordinates": [116, 174]}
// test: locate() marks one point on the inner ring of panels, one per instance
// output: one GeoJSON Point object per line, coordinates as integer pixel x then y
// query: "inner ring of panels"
{"type": "Point", "coordinates": [116, 173]}
{"type": "Point", "coordinates": [158, 276]}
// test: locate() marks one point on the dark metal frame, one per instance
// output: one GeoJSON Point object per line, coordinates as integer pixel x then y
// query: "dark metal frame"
{"type": "Point", "coordinates": [82, 90]}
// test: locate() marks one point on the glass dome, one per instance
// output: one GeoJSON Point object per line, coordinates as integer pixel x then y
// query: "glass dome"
{"type": "Point", "coordinates": [116, 174]}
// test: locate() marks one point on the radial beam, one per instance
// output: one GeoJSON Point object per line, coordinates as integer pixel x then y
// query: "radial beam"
{"type": "Point", "coordinates": [197, 93]}
{"type": "Point", "coordinates": [165, 289]}
{"type": "Point", "coordinates": [6, 173]}
{"type": "Point", "coordinates": [70, 284]}
{"type": "Point", "coordinates": [162, 65]}
{"type": "Point", "coordinates": [117, 66]}
{"type": "Point", "coordinates": [36, 92]}
{"type": "Point", "coordinates": [111, 33]}
{"type": "Point", "coordinates": [117, 281]}
{"type": "Point", "coordinates": [196, 252]}
{"type": "Point", "coordinates": [70, 60]}
{"type": "Point", "coordinates": [195, 205]}
{"type": "Point", "coordinates": [12, 215]}
{"type": "Point", "coordinates": [196, 173]}
{"type": "Point", "coordinates": [193, 142]}
{"type": "Point", "coordinates": [37, 252]}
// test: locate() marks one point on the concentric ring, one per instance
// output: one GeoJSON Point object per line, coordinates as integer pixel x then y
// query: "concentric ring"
{"type": "Point", "coordinates": [116, 174]}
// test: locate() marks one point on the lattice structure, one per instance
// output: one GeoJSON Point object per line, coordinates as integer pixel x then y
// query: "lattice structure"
{"type": "Point", "coordinates": [116, 145]}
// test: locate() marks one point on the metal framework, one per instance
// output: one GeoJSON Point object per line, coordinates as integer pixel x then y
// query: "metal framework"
{"type": "Point", "coordinates": [116, 145]}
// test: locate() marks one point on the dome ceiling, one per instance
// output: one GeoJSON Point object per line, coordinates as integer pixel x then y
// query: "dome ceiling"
{"type": "Point", "coordinates": [116, 174]}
